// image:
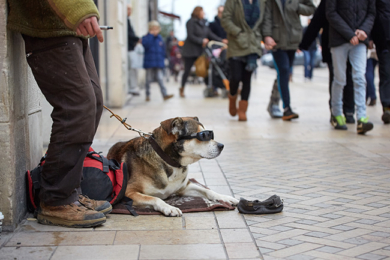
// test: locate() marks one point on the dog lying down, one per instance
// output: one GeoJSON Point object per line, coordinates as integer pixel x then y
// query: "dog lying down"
{"type": "Point", "coordinates": [157, 166]}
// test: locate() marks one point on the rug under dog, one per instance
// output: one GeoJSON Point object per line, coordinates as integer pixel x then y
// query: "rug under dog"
{"type": "Point", "coordinates": [185, 204]}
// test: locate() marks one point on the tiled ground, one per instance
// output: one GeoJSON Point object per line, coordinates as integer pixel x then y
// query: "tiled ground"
{"type": "Point", "coordinates": [335, 187]}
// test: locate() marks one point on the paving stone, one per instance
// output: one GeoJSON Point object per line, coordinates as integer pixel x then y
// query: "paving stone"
{"type": "Point", "coordinates": [380, 234]}
{"type": "Point", "coordinates": [329, 249]}
{"type": "Point", "coordinates": [332, 216]}
{"type": "Point", "coordinates": [317, 234]}
{"type": "Point", "coordinates": [371, 257]}
{"type": "Point", "coordinates": [198, 251]}
{"type": "Point", "coordinates": [357, 241]}
{"type": "Point", "coordinates": [343, 227]}
{"type": "Point", "coordinates": [280, 228]}
{"type": "Point", "coordinates": [307, 222]}
{"type": "Point", "coordinates": [290, 242]}
{"type": "Point", "coordinates": [300, 257]}
{"type": "Point", "coordinates": [236, 236]}
{"type": "Point", "coordinates": [97, 252]}
{"type": "Point", "coordinates": [26, 253]}
{"type": "Point", "coordinates": [367, 221]}
{"type": "Point", "coordinates": [376, 205]}
{"type": "Point", "coordinates": [242, 250]}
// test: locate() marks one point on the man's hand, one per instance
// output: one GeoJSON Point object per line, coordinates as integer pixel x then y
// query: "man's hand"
{"type": "Point", "coordinates": [361, 35]}
{"type": "Point", "coordinates": [90, 27]}
{"type": "Point", "coordinates": [354, 40]}
{"type": "Point", "coordinates": [269, 43]}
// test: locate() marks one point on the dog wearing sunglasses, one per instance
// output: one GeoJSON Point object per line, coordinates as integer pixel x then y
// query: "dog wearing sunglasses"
{"type": "Point", "coordinates": [155, 174]}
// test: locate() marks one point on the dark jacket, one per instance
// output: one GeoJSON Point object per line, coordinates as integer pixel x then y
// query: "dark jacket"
{"type": "Point", "coordinates": [317, 22]}
{"type": "Point", "coordinates": [243, 40]}
{"type": "Point", "coordinates": [132, 39]}
{"type": "Point", "coordinates": [217, 28]}
{"type": "Point", "coordinates": [346, 16]}
{"type": "Point", "coordinates": [381, 30]}
{"type": "Point", "coordinates": [196, 32]}
{"type": "Point", "coordinates": [49, 18]}
{"type": "Point", "coordinates": [154, 51]}
{"type": "Point", "coordinates": [284, 24]}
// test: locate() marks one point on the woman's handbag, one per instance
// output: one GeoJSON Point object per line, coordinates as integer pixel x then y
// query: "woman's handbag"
{"type": "Point", "coordinates": [202, 66]}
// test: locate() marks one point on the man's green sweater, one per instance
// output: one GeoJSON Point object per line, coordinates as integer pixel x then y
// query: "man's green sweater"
{"type": "Point", "coordinates": [49, 18]}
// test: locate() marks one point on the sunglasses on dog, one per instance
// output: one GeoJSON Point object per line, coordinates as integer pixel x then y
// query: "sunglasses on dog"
{"type": "Point", "coordinates": [206, 135]}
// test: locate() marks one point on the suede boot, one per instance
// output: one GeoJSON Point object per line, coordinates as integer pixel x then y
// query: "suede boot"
{"type": "Point", "coordinates": [233, 105]}
{"type": "Point", "coordinates": [181, 92]}
{"type": "Point", "coordinates": [242, 107]}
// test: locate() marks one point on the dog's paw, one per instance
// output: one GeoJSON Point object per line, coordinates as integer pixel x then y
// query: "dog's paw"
{"type": "Point", "coordinates": [170, 211]}
{"type": "Point", "coordinates": [228, 199]}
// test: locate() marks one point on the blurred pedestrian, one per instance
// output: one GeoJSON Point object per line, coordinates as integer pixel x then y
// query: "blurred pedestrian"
{"type": "Point", "coordinates": [372, 61]}
{"type": "Point", "coordinates": [55, 35]}
{"type": "Point", "coordinates": [309, 57]}
{"type": "Point", "coordinates": [282, 31]}
{"type": "Point", "coordinates": [242, 21]}
{"type": "Point", "coordinates": [154, 59]}
{"type": "Point", "coordinates": [216, 26]}
{"type": "Point", "coordinates": [132, 41]}
{"type": "Point", "coordinates": [350, 23]}
{"type": "Point", "coordinates": [318, 22]}
{"type": "Point", "coordinates": [198, 35]}
{"type": "Point", "coordinates": [175, 59]}
{"type": "Point", "coordinates": [381, 36]}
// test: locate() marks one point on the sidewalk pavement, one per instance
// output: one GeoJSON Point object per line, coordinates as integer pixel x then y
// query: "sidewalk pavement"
{"type": "Point", "coordinates": [335, 186]}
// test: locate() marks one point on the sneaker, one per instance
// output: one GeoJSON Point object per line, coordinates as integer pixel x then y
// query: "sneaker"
{"type": "Point", "coordinates": [386, 115]}
{"type": "Point", "coordinates": [288, 114]}
{"type": "Point", "coordinates": [97, 205]}
{"type": "Point", "coordinates": [168, 97]}
{"type": "Point", "coordinates": [349, 119]}
{"type": "Point", "coordinates": [274, 111]}
{"type": "Point", "coordinates": [271, 205]}
{"type": "Point", "coordinates": [73, 215]}
{"type": "Point", "coordinates": [147, 99]}
{"type": "Point", "coordinates": [364, 126]}
{"type": "Point", "coordinates": [338, 122]}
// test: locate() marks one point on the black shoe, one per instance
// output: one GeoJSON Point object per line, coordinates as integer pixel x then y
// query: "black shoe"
{"type": "Point", "coordinates": [288, 114]}
{"type": "Point", "coordinates": [386, 115]}
{"type": "Point", "coordinates": [364, 126]}
{"type": "Point", "coordinates": [371, 102]}
{"type": "Point", "coordinates": [269, 206]}
{"type": "Point", "coordinates": [349, 119]}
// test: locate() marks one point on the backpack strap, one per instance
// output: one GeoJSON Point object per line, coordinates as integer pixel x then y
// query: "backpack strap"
{"type": "Point", "coordinates": [129, 206]}
{"type": "Point", "coordinates": [107, 164]}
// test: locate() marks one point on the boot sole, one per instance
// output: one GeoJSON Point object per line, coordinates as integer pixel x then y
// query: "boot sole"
{"type": "Point", "coordinates": [106, 211]}
{"type": "Point", "coordinates": [48, 220]}
{"type": "Point", "coordinates": [288, 118]}
{"type": "Point", "coordinates": [363, 131]}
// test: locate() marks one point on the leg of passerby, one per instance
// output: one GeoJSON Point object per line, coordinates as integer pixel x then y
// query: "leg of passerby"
{"type": "Point", "coordinates": [245, 92]}
{"type": "Point", "coordinates": [148, 80]}
{"type": "Point", "coordinates": [188, 63]}
{"type": "Point", "coordinates": [160, 81]}
{"type": "Point", "coordinates": [359, 63]}
{"type": "Point", "coordinates": [384, 83]}
{"type": "Point", "coordinates": [370, 76]}
{"type": "Point", "coordinates": [339, 58]}
{"type": "Point", "coordinates": [75, 118]}
{"type": "Point", "coordinates": [312, 60]}
{"type": "Point", "coordinates": [306, 64]}
{"type": "Point", "coordinates": [283, 63]}
{"type": "Point", "coordinates": [237, 68]}
{"type": "Point", "coordinates": [273, 105]}
{"type": "Point", "coordinates": [132, 78]}
{"type": "Point", "coordinates": [349, 97]}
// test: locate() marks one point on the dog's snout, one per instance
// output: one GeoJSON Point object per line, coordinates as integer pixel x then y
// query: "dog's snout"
{"type": "Point", "coordinates": [220, 146]}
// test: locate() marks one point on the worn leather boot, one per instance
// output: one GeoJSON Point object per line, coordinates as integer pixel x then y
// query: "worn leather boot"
{"type": "Point", "coordinates": [242, 108]}
{"type": "Point", "coordinates": [73, 215]}
{"type": "Point", "coordinates": [233, 104]}
{"type": "Point", "coordinates": [273, 105]}
{"type": "Point", "coordinates": [181, 92]}
{"type": "Point", "coordinates": [97, 205]}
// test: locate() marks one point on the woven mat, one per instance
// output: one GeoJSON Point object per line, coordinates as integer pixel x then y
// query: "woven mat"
{"type": "Point", "coordinates": [185, 204]}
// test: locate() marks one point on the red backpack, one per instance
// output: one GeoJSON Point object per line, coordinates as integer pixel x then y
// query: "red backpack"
{"type": "Point", "coordinates": [103, 179]}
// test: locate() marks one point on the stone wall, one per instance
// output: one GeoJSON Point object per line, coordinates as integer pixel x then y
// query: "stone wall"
{"type": "Point", "coordinates": [20, 123]}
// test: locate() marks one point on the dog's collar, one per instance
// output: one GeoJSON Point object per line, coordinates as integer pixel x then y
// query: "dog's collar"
{"type": "Point", "coordinates": [162, 154]}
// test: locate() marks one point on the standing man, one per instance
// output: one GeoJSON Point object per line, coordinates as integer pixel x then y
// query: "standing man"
{"type": "Point", "coordinates": [132, 41]}
{"type": "Point", "coordinates": [55, 34]}
{"type": "Point", "coordinates": [216, 26]}
{"type": "Point", "coordinates": [381, 36]}
{"type": "Point", "coordinates": [350, 22]}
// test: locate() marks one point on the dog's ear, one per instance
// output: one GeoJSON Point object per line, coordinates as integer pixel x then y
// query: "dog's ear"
{"type": "Point", "coordinates": [172, 126]}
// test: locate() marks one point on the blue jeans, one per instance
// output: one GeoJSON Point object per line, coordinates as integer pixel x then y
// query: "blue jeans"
{"type": "Point", "coordinates": [155, 74]}
{"type": "Point", "coordinates": [370, 77]}
{"type": "Point", "coordinates": [283, 60]}
{"type": "Point", "coordinates": [309, 63]}
{"type": "Point", "coordinates": [358, 58]}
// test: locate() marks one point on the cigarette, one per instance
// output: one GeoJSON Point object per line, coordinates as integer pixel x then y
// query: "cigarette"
{"type": "Point", "coordinates": [106, 27]}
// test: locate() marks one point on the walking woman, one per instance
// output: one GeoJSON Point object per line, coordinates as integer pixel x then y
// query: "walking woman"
{"type": "Point", "coordinates": [282, 32]}
{"type": "Point", "coordinates": [242, 21]}
{"type": "Point", "coordinates": [198, 35]}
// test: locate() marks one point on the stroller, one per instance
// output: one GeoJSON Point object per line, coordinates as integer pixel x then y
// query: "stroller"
{"type": "Point", "coordinates": [218, 69]}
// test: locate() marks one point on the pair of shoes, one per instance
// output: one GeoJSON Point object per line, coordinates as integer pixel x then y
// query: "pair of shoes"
{"type": "Point", "coordinates": [242, 108]}
{"type": "Point", "coordinates": [168, 97]}
{"type": "Point", "coordinates": [349, 119]}
{"type": "Point", "coordinates": [364, 126]}
{"type": "Point", "coordinates": [181, 92]}
{"type": "Point", "coordinates": [147, 99]}
{"type": "Point", "coordinates": [338, 122]}
{"type": "Point", "coordinates": [76, 215]}
{"type": "Point", "coordinates": [386, 115]}
{"type": "Point", "coordinates": [269, 206]}
{"type": "Point", "coordinates": [288, 114]}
